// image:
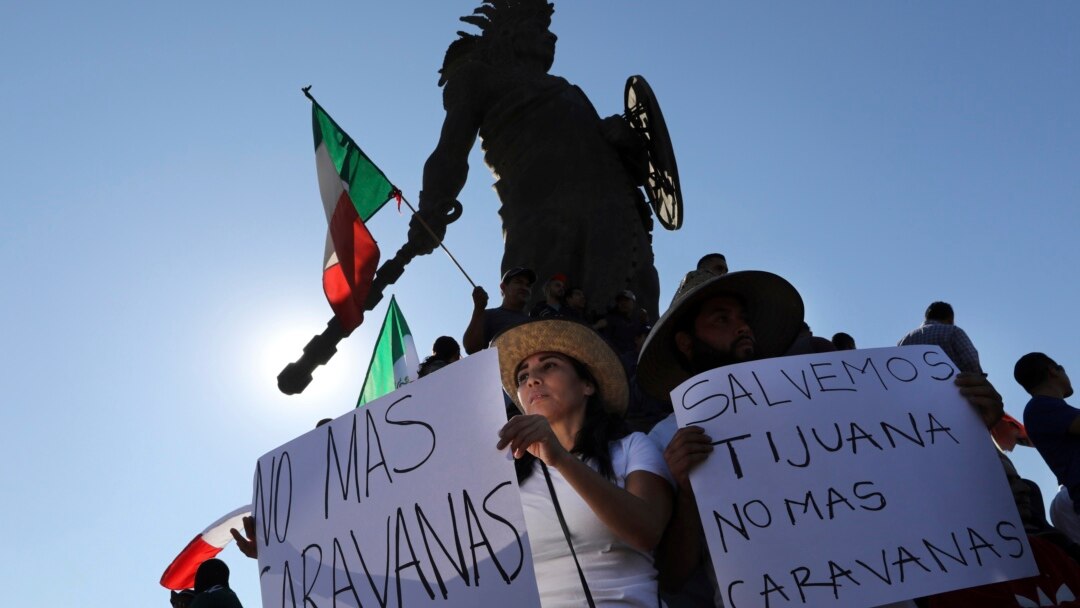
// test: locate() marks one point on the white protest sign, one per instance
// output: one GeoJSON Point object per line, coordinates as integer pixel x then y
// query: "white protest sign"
{"type": "Point", "coordinates": [854, 478]}
{"type": "Point", "coordinates": [402, 502]}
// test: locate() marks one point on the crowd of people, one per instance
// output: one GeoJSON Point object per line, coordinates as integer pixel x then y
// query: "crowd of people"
{"type": "Point", "coordinates": [604, 469]}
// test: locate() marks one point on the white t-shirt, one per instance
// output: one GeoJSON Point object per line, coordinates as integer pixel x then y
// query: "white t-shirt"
{"type": "Point", "coordinates": [616, 572]}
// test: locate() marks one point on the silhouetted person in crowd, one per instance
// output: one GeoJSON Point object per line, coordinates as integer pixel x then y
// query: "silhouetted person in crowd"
{"type": "Point", "coordinates": [181, 599]}
{"type": "Point", "coordinates": [485, 324]}
{"type": "Point", "coordinates": [212, 586]}
{"type": "Point", "coordinates": [1054, 427]}
{"type": "Point", "coordinates": [843, 341]}
{"type": "Point", "coordinates": [444, 352]}
{"type": "Point", "coordinates": [644, 411]}
{"type": "Point", "coordinates": [715, 263]}
{"type": "Point", "coordinates": [817, 344]}
{"type": "Point", "coordinates": [938, 328]}
{"type": "Point", "coordinates": [622, 324]}
{"type": "Point", "coordinates": [554, 292]}
{"type": "Point", "coordinates": [575, 304]}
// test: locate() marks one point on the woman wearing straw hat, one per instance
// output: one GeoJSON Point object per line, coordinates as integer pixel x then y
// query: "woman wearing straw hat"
{"type": "Point", "coordinates": [596, 500]}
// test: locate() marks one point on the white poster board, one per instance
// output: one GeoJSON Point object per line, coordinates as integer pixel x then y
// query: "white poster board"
{"type": "Point", "coordinates": [854, 478]}
{"type": "Point", "coordinates": [403, 502]}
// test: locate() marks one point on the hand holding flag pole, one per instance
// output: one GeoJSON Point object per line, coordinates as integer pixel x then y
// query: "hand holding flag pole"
{"type": "Point", "coordinates": [455, 214]}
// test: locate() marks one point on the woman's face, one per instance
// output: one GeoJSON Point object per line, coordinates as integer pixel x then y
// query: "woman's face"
{"type": "Point", "coordinates": [548, 384]}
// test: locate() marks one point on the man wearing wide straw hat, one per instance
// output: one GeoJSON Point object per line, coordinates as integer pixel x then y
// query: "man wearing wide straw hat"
{"type": "Point", "coordinates": [715, 321]}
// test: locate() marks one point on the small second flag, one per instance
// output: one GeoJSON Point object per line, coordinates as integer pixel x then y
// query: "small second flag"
{"type": "Point", "coordinates": [394, 362]}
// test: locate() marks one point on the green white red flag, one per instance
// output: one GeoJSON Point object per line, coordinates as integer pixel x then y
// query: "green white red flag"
{"type": "Point", "coordinates": [181, 572]}
{"type": "Point", "coordinates": [394, 362]}
{"type": "Point", "coordinates": [352, 189]}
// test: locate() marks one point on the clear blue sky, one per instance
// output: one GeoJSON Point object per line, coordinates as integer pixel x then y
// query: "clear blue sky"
{"type": "Point", "coordinates": [161, 240]}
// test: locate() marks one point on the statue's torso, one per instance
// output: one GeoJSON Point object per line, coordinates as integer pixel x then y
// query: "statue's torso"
{"type": "Point", "coordinates": [568, 203]}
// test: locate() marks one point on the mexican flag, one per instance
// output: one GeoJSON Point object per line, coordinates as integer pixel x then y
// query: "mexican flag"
{"type": "Point", "coordinates": [353, 189]}
{"type": "Point", "coordinates": [181, 572]}
{"type": "Point", "coordinates": [394, 362]}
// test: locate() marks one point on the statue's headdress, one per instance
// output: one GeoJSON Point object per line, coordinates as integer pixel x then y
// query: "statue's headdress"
{"type": "Point", "coordinates": [497, 20]}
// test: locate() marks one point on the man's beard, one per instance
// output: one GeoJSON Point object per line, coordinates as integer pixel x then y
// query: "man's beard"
{"type": "Point", "coordinates": [705, 357]}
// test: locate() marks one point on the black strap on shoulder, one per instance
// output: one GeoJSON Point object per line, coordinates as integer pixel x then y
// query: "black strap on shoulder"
{"type": "Point", "coordinates": [566, 533]}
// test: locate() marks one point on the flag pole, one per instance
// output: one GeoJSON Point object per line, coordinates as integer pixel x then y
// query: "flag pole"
{"type": "Point", "coordinates": [435, 238]}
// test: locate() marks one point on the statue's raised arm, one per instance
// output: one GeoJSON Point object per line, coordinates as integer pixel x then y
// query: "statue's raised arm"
{"type": "Point", "coordinates": [447, 169]}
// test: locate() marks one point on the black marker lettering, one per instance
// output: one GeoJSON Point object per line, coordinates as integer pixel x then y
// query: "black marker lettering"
{"type": "Point", "coordinates": [1016, 539]}
{"type": "Point", "coordinates": [352, 467]}
{"type": "Point", "coordinates": [280, 533]}
{"type": "Point", "coordinates": [372, 430]}
{"type": "Point", "coordinates": [425, 526]}
{"type": "Point", "coordinates": [810, 502]}
{"type": "Point", "coordinates": [982, 544]}
{"type": "Point", "coordinates": [412, 563]}
{"type": "Point", "coordinates": [839, 439]}
{"type": "Point", "coordinates": [805, 390]}
{"type": "Point", "coordinates": [836, 498]}
{"type": "Point", "coordinates": [934, 550]}
{"type": "Point", "coordinates": [821, 385]}
{"type": "Point", "coordinates": [731, 600]}
{"type": "Point", "coordinates": [304, 579]}
{"type": "Point", "coordinates": [384, 597]}
{"type": "Point", "coordinates": [517, 535]}
{"type": "Point", "coordinates": [801, 576]}
{"type": "Point", "coordinates": [770, 587]}
{"type": "Point", "coordinates": [937, 427]}
{"type": "Point", "coordinates": [336, 551]}
{"type": "Point", "coordinates": [862, 370]}
{"type": "Point", "coordinates": [761, 388]}
{"type": "Point", "coordinates": [903, 556]}
{"type": "Point", "coordinates": [740, 527]}
{"type": "Point", "coordinates": [430, 431]}
{"type": "Point", "coordinates": [863, 435]}
{"type": "Point", "coordinates": [730, 443]}
{"type": "Point", "coordinates": [806, 450]}
{"type": "Point", "coordinates": [880, 497]}
{"type": "Point", "coordinates": [836, 571]}
{"type": "Point", "coordinates": [914, 370]}
{"type": "Point", "coordinates": [720, 412]}
{"type": "Point", "coordinates": [287, 580]}
{"type": "Point", "coordinates": [915, 437]}
{"type": "Point", "coordinates": [948, 368]}
{"type": "Point", "coordinates": [887, 578]}
{"type": "Point", "coordinates": [471, 518]}
{"type": "Point", "coordinates": [743, 394]}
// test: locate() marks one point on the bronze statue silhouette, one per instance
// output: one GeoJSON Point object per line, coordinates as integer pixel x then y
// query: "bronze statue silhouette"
{"type": "Point", "coordinates": [568, 180]}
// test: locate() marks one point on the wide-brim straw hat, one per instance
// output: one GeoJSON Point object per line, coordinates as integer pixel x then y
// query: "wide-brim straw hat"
{"type": "Point", "coordinates": [774, 310]}
{"type": "Point", "coordinates": [569, 338]}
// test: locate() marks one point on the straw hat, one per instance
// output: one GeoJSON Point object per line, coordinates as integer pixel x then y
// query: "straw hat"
{"type": "Point", "coordinates": [774, 309]}
{"type": "Point", "coordinates": [569, 338]}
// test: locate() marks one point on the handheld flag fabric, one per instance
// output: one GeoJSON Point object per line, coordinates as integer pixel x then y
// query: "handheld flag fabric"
{"type": "Point", "coordinates": [394, 361]}
{"type": "Point", "coordinates": [352, 189]}
{"type": "Point", "coordinates": [1010, 432]}
{"type": "Point", "coordinates": [181, 572]}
